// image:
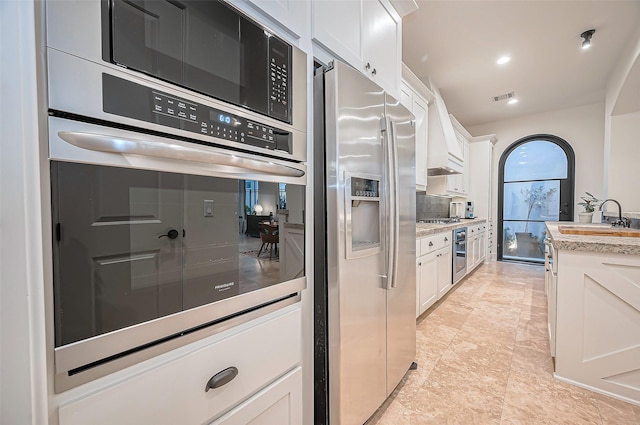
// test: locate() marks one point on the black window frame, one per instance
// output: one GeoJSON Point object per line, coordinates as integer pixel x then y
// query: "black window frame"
{"type": "Point", "coordinates": [567, 186]}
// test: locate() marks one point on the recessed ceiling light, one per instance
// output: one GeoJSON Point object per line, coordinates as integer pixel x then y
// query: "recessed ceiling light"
{"type": "Point", "coordinates": [503, 59]}
{"type": "Point", "coordinates": [512, 101]}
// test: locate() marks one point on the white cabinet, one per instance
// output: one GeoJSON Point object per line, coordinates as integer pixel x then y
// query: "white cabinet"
{"type": "Point", "coordinates": [598, 321]}
{"type": "Point", "coordinates": [481, 184]}
{"type": "Point", "coordinates": [172, 389]}
{"type": "Point", "coordinates": [292, 15]}
{"type": "Point", "coordinates": [445, 270]}
{"type": "Point", "coordinates": [476, 246]}
{"type": "Point", "coordinates": [458, 184]}
{"type": "Point", "coordinates": [427, 283]}
{"type": "Point", "coordinates": [454, 184]}
{"type": "Point", "coordinates": [365, 33]}
{"type": "Point", "coordinates": [280, 403]}
{"type": "Point", "coordinates": [419, 107]}
{"type": "Point", "coordinates": [433, 269]}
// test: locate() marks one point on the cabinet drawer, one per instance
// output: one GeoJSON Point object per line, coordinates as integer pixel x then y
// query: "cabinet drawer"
{"type": "Point", "coordinates": [476, 229]}
{"type": "Point", "coordinates": [174, 392]}
{"type": "Point", "coordinates": [280, 403]}
{"type": "Point", "coordinates": [434, 242]}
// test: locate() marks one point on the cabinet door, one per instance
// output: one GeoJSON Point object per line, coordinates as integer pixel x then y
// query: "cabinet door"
{"type": "Point", "coordinates": [406, 96]}
{"type": "Point", "coordinates": [465, 175]}
{"type": "Point", "coordinates": [173, 392]}
{"type": "Point", "coordinates": [280, 403]}
{"type": "Point", "coordinates": [445, 271]}
{"type": "Point", "coordinates": [427, 281]}
{"type": "Point", "coordinates": [454, 183]}
{"type": "Point", "coordinates": [471, 253]}
{"type": "Point", "coordinates": [291, 14]}
{"type": "Point", "coordinates": [420, 110]}
{"type": "Point", "coordinates": [482, 247]}
{"type": "Point", "coordinates": [337, 25]}
{"type": "Point", "coordinates": [381, 38]}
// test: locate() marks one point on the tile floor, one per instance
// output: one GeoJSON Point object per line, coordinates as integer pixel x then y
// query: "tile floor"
{"type": "Point", "coordinates": [483, 358]}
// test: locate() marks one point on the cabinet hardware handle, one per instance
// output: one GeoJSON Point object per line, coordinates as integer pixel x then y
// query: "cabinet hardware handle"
{"type": "Point", "coordinates": [374, 71]}
{"type": "Point", "coordinates": [430, 243]}
{"type": "Point", "coordinates": [367, 66]}
{"type": "Point", "coordinates": [221, 378]}
{"type": "Point", "coordinates": [419, 264]}
{"type": "Point", "coordinates": [446, 240]}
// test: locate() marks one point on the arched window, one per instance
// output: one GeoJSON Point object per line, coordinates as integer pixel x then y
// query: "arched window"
{"type": "Point", "coordinates": [536, 176]}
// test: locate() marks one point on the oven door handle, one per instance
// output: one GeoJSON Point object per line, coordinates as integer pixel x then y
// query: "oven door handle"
{"type": "Point", "coordinates": [162, 149]}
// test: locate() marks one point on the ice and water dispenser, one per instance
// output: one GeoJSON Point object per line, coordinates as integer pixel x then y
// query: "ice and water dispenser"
{"type": "Point", "coordinates": [363, 215]}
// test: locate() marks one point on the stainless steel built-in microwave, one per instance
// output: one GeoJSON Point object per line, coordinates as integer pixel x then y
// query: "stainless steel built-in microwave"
{"type": "Point", "coordinates": [167, 121]}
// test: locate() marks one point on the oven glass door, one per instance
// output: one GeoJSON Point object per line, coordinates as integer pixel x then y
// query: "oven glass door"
{"type": "Point", "coordinates": [460, 253]}
{"type": "Point", "coordinates": [133, 245]}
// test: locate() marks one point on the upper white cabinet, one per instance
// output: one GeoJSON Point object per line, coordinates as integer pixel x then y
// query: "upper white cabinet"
{"type": "Point", "coordinates": [291, 14]}
{"type": "Point", "coordinates": [419, 107]}
{"type": "Point", "coordinates": [458, 184]}
{"type": "Point", "coordinates": [481, 182]}
{"type": "Point", "coordinates": [365, 33]}
{"type": "Point", "coordinates": [417, 98]}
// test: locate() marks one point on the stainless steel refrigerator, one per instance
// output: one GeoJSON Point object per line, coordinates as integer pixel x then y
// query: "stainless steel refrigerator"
{"type": "Point", "coordinates": [365, 265]}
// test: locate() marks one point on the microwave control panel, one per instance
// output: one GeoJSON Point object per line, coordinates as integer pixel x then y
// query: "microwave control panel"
{"type": "Point", "coordinates": [128, 99]}
{"type": "Point", "coordinates": [279, 79]}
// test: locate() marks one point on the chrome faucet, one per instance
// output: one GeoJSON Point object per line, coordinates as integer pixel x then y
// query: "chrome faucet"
{"type": "Point", "coordinates": [621, 221]}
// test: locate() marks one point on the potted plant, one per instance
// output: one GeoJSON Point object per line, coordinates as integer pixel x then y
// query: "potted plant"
{"type": "Point", "coordinates": [589, 204]}
{"type": "Point", "coordinates": [534, 197]}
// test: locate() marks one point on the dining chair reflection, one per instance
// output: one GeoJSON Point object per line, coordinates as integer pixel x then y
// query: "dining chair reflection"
{"type": "Point", "coordinates": [270, 236]}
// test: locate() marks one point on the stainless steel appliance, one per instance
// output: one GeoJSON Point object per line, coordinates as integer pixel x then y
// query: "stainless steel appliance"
{"type": "Point", "coordinates": [365, 268]}
{"type": "Point", "coordinates": [443, 220]}
{"type": "Point", "coordinates": [456, 209]}
{"type": "Point", "coordinates": [151, 155]}
{"type": "Point", "coordinates": [468, 211]}
{"type": "Point", "coordinates": [459, 253]}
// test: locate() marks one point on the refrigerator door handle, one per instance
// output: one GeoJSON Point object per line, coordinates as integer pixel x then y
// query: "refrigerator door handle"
{"type": "Point", "coordinates": [390, 201]}
{"type": "Point", "coordinates": [396, 201]}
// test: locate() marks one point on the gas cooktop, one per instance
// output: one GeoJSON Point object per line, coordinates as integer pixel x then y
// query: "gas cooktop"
{"type": "Point", "coordinates": [443, 220]}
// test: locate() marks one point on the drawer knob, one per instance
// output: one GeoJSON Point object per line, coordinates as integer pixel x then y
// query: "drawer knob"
{"type": "Point", "coordinates": [221, 378]}
{"type": "Point", "coordinates": [430, 243]}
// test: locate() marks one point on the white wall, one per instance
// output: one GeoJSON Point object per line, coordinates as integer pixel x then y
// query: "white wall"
{"type": "Point", "coordinates": [581, 127]}
{"type": "Point", "coordinates": [624, 166]}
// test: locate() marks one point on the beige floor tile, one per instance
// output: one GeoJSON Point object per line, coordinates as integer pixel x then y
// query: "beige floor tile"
{"type": "Point", "coordinates": [483, 358]}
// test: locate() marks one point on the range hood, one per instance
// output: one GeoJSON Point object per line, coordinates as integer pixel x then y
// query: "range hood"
{"type": "Point", "coordinates": [444, 154]}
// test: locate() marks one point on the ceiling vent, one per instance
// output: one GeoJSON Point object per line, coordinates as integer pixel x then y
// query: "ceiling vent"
{"type": "Point", "coordinates": [503, 97]}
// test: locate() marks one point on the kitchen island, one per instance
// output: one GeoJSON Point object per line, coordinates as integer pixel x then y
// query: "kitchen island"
{"type": "Point", "coordinates": [594, 323]}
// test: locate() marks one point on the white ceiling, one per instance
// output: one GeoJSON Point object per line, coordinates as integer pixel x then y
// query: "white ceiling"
{"type": "Point", "coordinates": [456, 44]}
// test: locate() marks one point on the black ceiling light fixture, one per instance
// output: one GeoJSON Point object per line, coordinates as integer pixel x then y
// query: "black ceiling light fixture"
{"type": "Point", "coordinates": [587, 38]}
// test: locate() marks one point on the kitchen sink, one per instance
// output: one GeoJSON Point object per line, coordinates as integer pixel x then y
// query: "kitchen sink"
{"type": "Point", "coordinates": [599, 230]}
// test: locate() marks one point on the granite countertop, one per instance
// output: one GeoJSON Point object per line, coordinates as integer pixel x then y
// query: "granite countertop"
{"type": "Point", "coordinates": [604, 244]}
{"type": "Point", "coordinates": [426, 229]}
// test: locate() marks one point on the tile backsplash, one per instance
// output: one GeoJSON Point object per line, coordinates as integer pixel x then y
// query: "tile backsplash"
{"type": "Point", "coordinates": [428, 206]}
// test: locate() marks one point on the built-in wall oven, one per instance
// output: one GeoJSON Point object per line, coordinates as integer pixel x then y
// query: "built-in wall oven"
{"type": "Point", "coordinates": [165, 118]}
{"type": "Point", "coordinates": [459, 253]}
